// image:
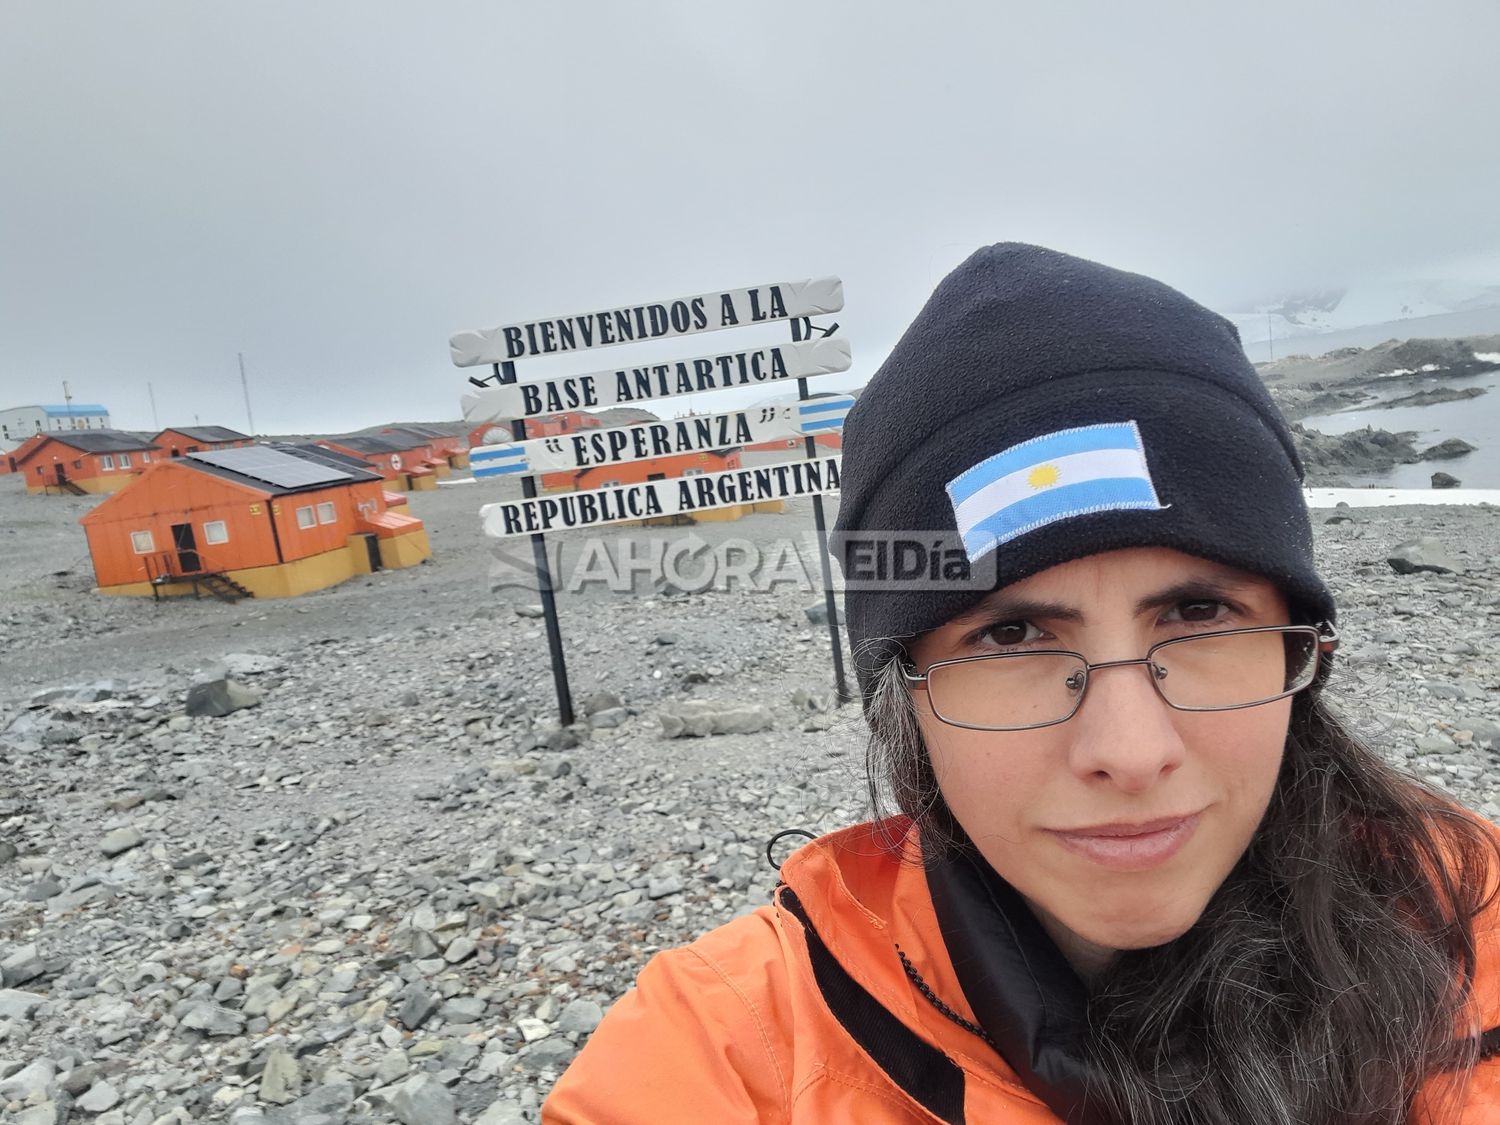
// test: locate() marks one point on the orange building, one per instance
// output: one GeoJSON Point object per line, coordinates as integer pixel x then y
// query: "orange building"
{"type": "Point", "coordinates": [446, 445]}
{"type": "Point", "coordinates": [177, 440]}
{"type": "Point", "coordinates": [262, 521]}
{"type": "Point", "coordinates": [82, 461]}
{"type": "Point", "coordinates": [10, 462]}
{"type": "Point", "coordinates": [405, 462]}
{"type": "Point", "coordinates": [796, 446]}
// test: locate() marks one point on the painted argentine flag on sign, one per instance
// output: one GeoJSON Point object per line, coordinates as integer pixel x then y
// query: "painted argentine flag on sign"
{"type": "Point", "coordinates": [498, 460]}
{"type": "Point", "coordinates": [1049, 478]}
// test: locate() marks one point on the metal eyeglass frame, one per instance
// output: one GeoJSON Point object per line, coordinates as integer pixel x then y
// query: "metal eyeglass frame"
{"type": "Point", "coordinates": [1326, 638]}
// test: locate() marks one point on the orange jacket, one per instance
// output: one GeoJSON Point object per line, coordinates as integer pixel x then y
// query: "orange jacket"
{"type": "Point", "coordinates": [737, 1026]}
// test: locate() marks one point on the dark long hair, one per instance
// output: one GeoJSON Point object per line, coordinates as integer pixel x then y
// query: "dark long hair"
{"type": "Point", "coordinates": [1328, 978]}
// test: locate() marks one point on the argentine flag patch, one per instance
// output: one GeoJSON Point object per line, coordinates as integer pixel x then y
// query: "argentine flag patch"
{"type": "Point", "coordinates": [1049, 478]}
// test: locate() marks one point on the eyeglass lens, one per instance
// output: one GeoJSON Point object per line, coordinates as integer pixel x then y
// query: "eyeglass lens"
{"type": "Point", "coordinates": [1207, 672]}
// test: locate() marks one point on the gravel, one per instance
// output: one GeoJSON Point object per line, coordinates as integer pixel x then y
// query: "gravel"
{"type": "Point", "coordinates": [395, 889]}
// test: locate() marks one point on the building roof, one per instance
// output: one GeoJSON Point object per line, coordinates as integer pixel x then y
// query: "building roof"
{"type": "Point", "coordinates": [77, 410]}
{"type": "Point", "coordinates": [99, 441]}
{"type": "Point", "coordinates": [412, 434]}
{"type": "Point", "coordinates": [426, 429]}
{"type": "Point", "coordinates": [321, 452]}
{"type": "Point", "coordinates": [208, 433]}
{"type": "Point", "coordinates": [367, 443]}
{"type": "Point", "coordinates": [624, 416]}
{"type": "Point", "coordinates": [274, 470]}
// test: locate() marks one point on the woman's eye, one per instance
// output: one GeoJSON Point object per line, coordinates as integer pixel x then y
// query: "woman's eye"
{"type": "Point", "coordinates": [1008, 634]}
{"type": "Point", "coordinates": [1197, 612]}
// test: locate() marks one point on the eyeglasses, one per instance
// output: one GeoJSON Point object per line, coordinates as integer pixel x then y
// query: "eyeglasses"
{"type": "Point", "coordinates": [1222, 671]}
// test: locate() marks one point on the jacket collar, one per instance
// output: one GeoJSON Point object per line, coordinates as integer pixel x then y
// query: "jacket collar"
{"type": "Point", "coordinates": [867, 892]}
{"type": "Point", "coordinates": [1022, 989]}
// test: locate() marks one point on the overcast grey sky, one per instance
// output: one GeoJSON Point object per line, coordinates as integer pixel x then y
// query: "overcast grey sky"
{"type": "Point", "coordinates": [333, 188]}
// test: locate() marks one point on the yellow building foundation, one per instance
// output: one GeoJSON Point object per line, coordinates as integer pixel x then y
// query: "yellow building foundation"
{"type": "Point", "coordinates": [96, 486]}
{"type": "Point", "coordinates": [288, 580]}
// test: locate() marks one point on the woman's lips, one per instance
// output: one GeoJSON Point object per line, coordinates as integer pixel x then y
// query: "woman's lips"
{"type": "Point", "coordinates": [1130, 847]}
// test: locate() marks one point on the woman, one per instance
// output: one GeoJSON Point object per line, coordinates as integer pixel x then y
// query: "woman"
{"type": "Point", "coordinates": [1142, 875]}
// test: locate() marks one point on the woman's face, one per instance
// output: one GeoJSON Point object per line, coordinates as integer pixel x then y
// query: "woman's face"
{"type": "Point", "coordinates": [1054, 809]}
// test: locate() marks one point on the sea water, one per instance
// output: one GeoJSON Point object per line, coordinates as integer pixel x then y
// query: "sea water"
{"type": "Point", "coordinates": [1475, 420]}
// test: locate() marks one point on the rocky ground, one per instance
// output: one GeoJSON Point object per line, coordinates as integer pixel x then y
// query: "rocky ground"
{"type": "Point", "coordinates": [1351, 378]}
{"type": "Point", "coordinates": [332, 860]}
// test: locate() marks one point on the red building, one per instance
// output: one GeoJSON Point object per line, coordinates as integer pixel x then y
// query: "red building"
{"type": "Point", "coordinates": [405, 461]}
{"type": "Point", "coordinates": [9, 462]}
{"type": "Point", "coordinates": [445, 444]}
{"type": "Point", "coordinates": [82, 461]}
{"type": "Point", "coordinates": [261, 520]}
{"type": "Point", "coordinates": [178, 440]}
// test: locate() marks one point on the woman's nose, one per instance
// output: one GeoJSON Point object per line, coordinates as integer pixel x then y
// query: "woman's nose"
{"type": "Point", "coordinates": [1124, 730]}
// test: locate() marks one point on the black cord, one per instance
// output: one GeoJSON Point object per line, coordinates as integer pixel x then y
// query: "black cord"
{"type": "Point", "coordinates": [771, 843]}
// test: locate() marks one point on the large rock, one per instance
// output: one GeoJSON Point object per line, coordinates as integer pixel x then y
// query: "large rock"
{"type": "Point", "coordinates": [213, 1020]}
{"type": "Point", "coordinates": [581, 1016]}
{"type": "Point", "coordinates": [817, 613]}
{"type": "Point", "coordinates": [18, 1005]}
{"type": "Point", "coordinates": [281, 1081]}
{"type": "Point", "coordinates": [423, 1100]}
{"type": "Point", "coordinates": [120, 841]}
{"type": "Point", "coordinates": [29, 1083]}
{"type": "Point", "coordinates": [1445, 480]}
{"type": "Point", "coordinates": [219, 697]}
{"type": "Point", "coordinates": [327, 1105]}
{"type": "Point", "coordinates": [21, 965]}
{"type": "Point", "coordinates": [1446, 450]}
{"type": "Point", "coordinates": [100, 1097]}
{"type": "Point", "coordinates": [697, 718]}
{"type": "Point", "coordinates": [1422, 554]}
{"type": "Point", "coordinates": [251, 664]}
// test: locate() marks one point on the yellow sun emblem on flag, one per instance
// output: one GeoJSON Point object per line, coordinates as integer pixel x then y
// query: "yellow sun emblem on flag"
{"type": "Point", "coordinates": [1043, 476]}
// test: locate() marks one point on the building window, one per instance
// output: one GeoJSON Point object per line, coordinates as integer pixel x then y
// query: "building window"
{"type": "Point", "coordinates": [145, 457]}
{"type": "Point", "coordinates": [106, 461]}
{"type": "Point", "coordinates": [142, 542]}
{"type": "Point", "coordinates": [326, 514]}
{"type": "Point", "coordinates": [305, 518]}
{"type": "Point", "coordinates": [124, 460]}
{"type": "Point", "coordinates": [692, 472]}
{"type": "Point", "coordinates": [215, 532]}
{"type": "Point", "coordinates": [78, 464]}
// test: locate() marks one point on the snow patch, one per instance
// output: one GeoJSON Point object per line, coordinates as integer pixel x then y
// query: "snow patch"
{"type": "Point", "coordinates": [1393, 497]}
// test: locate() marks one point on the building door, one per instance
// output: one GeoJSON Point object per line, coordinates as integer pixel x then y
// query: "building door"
{"type": "Point", "coordinates": [62, 473]}
{"type": "Point", "coordinates": [186, 545]}
{"type": "Point", "coordinates": [372, 547]}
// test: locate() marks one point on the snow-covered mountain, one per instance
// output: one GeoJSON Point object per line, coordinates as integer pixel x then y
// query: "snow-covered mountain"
{"type": "Point", "coordinates": [1310, 314]}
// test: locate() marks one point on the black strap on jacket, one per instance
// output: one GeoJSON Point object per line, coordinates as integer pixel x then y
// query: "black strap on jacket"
{"type": "Point", "coordinates": [930, 1077]}
{"type": "Point", "coordinates": [1021, 988]}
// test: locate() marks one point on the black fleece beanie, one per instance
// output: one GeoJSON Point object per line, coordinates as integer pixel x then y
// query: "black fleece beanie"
{"type": "Point", "coordinates": [1045, 408]}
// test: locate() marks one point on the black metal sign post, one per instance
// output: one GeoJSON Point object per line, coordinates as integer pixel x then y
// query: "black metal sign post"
{"type": "Point", "coordinates": [841, 685]}
{"type": "Point", "coordinates": [506, 373]}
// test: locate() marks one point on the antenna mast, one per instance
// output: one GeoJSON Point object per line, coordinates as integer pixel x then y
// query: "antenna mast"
{"type": "Point", "coordinates": [245, 386]}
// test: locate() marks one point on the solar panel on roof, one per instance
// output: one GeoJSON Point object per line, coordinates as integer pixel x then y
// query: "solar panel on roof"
{"type": "Point", "coordinates": [272, 466]}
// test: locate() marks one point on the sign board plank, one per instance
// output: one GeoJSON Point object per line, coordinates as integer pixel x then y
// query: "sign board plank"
{"type": "Point", "coordinates": [626, 386]}
{"type": "Point", "coordinates": [611, 445]}
{"type": "Point", "coordinates": [685, 495]}
{"type": "Point", "coordinates": [654, 320]}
